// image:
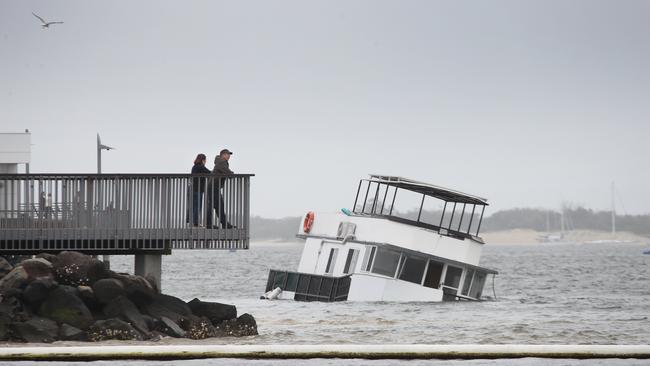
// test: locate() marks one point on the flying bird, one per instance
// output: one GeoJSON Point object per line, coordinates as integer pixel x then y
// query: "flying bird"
{"type": "Point", "coordinates": [45, 24]}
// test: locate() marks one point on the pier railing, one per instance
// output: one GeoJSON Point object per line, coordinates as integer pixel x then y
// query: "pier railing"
{"type": "Point", "coordinates": [123, 213]}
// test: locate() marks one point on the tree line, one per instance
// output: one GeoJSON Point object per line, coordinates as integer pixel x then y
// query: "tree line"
{"type": "Point", "coordinates": [573, 218]}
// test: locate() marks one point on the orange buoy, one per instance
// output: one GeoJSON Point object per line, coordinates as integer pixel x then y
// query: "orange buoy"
{"type": "Point", "coordinates": [308, 222]}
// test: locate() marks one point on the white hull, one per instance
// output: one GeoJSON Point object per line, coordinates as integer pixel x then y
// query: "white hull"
{"type": "Point", "coordinates": [379, 256]}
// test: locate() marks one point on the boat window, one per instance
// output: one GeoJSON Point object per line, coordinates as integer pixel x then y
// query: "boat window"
{"type": "Point", "coordinates": [351, 260]}
{"type": "Point", "coordinates": [368, 256]}
{"type": "Point", "coordinates": [452, 278]}
{"type": "Point", "coordinates": [468, 281]}
{"type": "Point", "coordinates": [413, 269]}
{"type": "Point", "coordinates": [477, 285]}
{"type": "Point", "coordinates": [434, 272]}
{"type": "Point", "coordinates": [331, 260]}
{"type": "Point", "coordinates": [386, 262]}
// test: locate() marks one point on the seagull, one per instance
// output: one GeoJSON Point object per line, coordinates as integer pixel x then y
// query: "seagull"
{"type": "Point", "coordinates": [44, 23]}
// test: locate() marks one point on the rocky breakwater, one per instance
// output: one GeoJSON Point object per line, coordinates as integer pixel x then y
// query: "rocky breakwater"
{"type": "Point", "coordinates": [72, 296]}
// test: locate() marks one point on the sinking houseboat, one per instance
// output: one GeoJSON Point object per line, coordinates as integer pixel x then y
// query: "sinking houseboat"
{"type": "Point", "coordinates": [403, 240]}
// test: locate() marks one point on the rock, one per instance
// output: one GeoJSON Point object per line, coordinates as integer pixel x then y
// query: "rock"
{"type": "Point", "coordinates": [14, 260]}
{"type": "Point", "coordinates": [172, 303]}
{"type": "Point", "coordinates": [158, 311]}
{"type": "Point", "coordinates": [5, 267]}
{"type": "Point", "coordinates": [137, 288]}
{"type": "Point", "coordinates": [170, 328]}
{"type": "Point", "coordinates": [121, 307]}
{"type": "Point", "coordinates": [64, 307]}
{"type": "Point", "coordinates": [70, 333]}
{"type": "Point", "coordinates": [243, 326]}
{"type": "Point", "coordinates": [16, 293]}
{"type": "Point", "coordinates": [48, 257]}
{"type": "Point", "coordinates": [39, 330]}
{"type": "Point", "coordinates": [197, 328]}
{"type": "Point", "coordinates": [107, 289]}
{"type": "Point", "coordinates": [73, 268]}
{"type": "Point", "coordinates": [37, 268]}
{"type": "Point", "coordinates": [87, 295]}
{"type": "Point", "coordinates": [36, 292]}
{"type": "Point", "coordinates": [214, 311]}
{"type": "Point", "coordinates": [14, 279]}
{"type": "Point", "coordinates": [112, 329]}
{"type": "Point", "coordinates": [6, 315]}
{"type": "Point", "coordinates": [150, 321]}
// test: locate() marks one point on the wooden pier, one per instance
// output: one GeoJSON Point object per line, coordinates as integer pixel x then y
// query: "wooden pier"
{"type": "Point", "coordinates": [146, 215]}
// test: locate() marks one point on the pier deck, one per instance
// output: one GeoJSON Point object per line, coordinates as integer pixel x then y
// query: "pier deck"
{"type": "Point", "coordinates": [122, 213]}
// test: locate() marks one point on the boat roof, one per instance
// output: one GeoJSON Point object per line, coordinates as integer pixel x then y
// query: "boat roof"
{"type": "Point", "coordinates": [442, 193]}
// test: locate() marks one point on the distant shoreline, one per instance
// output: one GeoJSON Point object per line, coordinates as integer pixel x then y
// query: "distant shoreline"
{"type": "Point", "coordinates": [527, 236]}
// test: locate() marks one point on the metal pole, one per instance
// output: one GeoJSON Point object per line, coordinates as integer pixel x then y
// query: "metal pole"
{"type": "Point", "coordinates": [105, 258]}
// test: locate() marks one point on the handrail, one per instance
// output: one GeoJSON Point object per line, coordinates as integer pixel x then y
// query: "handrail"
{"type": "Point", "coordinates": [124, 212]}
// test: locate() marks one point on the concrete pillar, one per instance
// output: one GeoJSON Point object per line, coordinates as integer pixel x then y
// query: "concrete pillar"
{"type": "Point", "coordinates": [149, 266]}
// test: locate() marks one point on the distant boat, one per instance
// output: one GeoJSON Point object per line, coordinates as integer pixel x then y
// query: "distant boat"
{"type": "Point", "coordinates": [646, 251]}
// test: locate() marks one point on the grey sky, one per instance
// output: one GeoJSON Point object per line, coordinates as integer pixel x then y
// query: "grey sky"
{"type": "Point", "coordinates": [527, 103]}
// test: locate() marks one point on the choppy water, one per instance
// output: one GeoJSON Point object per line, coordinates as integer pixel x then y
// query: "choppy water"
{"type": "Point", "coordinates": [551, 294]}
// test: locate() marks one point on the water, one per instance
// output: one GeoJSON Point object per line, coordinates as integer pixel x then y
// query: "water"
{"type": "Point", "coordinates": [547, 294]}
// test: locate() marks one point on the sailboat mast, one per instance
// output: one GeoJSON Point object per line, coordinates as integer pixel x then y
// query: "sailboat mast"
{"type": "Point", "coordinates": [613, 212]}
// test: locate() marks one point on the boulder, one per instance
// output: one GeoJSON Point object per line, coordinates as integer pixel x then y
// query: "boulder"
{"type": "Point", "coordinates": [39, 330]}
{"type": "Point", "coordinates": [14, 260]}
{"type": "Point", "coordinates": [214, 311]}
{"type": "Point", "coordinates": [112, 329]}
{"type": "Point", "coordinates": [197, 328]}
{"type": "Point", "coordinates": [5, 267]}
{"type": "Point", "coordinates": [74, 269]}
{"type": "Point", "coordinates": [70, 333]}
{"type": "Point", "coordinates": [52, 258]}
{"type": "Point", "coordinates": [64, 307]}
{"type": "Point", "coordinates": [121, 307]}
{"type": "Point", "coordinates": [168, 327]}
{"type": "Point", "coordinates": [137, 288]}
{"type": "Point", "coordinates": [158, 311]}
{"type": "Point", "coordinates": [243, 326]}
{"type": "Point", "coordinates": [14, 279]}
{"type": "Point", "coordinates": [107, 289]}
{"type": "Point", "coordinates": [87, 295]}
{"type": "Point", "coordinates": [36, 292]}
{"type": "Point", "coordinates": [37, 268]}
{"type": "Point", "coordinates": [172, 303]}
{"type": "Point", "coordinates": [6, 315]}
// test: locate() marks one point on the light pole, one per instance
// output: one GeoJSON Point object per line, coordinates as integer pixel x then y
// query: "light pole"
{"type": "Point", "coordinates": [100, 147]}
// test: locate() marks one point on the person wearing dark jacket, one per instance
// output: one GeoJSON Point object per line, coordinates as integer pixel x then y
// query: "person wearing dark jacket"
{"type": "Point", "coordinates": [198, 187]}
{"type": "Point", "coordinates": [221, 167]}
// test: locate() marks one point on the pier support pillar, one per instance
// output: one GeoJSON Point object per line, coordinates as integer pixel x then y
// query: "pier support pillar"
{"type": "Point", "coordinates": [149, 266]}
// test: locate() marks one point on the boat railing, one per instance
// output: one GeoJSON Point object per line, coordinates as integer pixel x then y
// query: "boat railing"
{"type": "Point", "coordinates": [310, 287]}
{"type": "Point", "coordinates": [447, 212]}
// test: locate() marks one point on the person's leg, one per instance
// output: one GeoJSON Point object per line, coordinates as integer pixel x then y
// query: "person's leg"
{"type": "Point", "coordinates": [209, 206]}
{"type": "Point", "coordinates": [196, 197]}
{"type": "Point", "coordinates": [222, 212]}
{"type": "Point", "coordinates": [200, 207]}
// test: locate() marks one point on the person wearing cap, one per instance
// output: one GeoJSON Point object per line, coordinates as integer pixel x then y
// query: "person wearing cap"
{"type": "Point", "coordinates": [221, 167]}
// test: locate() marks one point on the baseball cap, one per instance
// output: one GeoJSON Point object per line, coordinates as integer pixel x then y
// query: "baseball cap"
{"type": "Point", "coordinates": [225, 151]}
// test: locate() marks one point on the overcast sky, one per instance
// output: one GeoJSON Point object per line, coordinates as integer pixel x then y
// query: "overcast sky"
{"type": "Point", "coordinates": [526, 103]}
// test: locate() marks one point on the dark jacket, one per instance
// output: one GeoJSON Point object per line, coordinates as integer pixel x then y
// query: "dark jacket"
{"type": "Point", "coordinates": [198, 183]}
{"type": "Point", "coordinates": [221, 167]}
